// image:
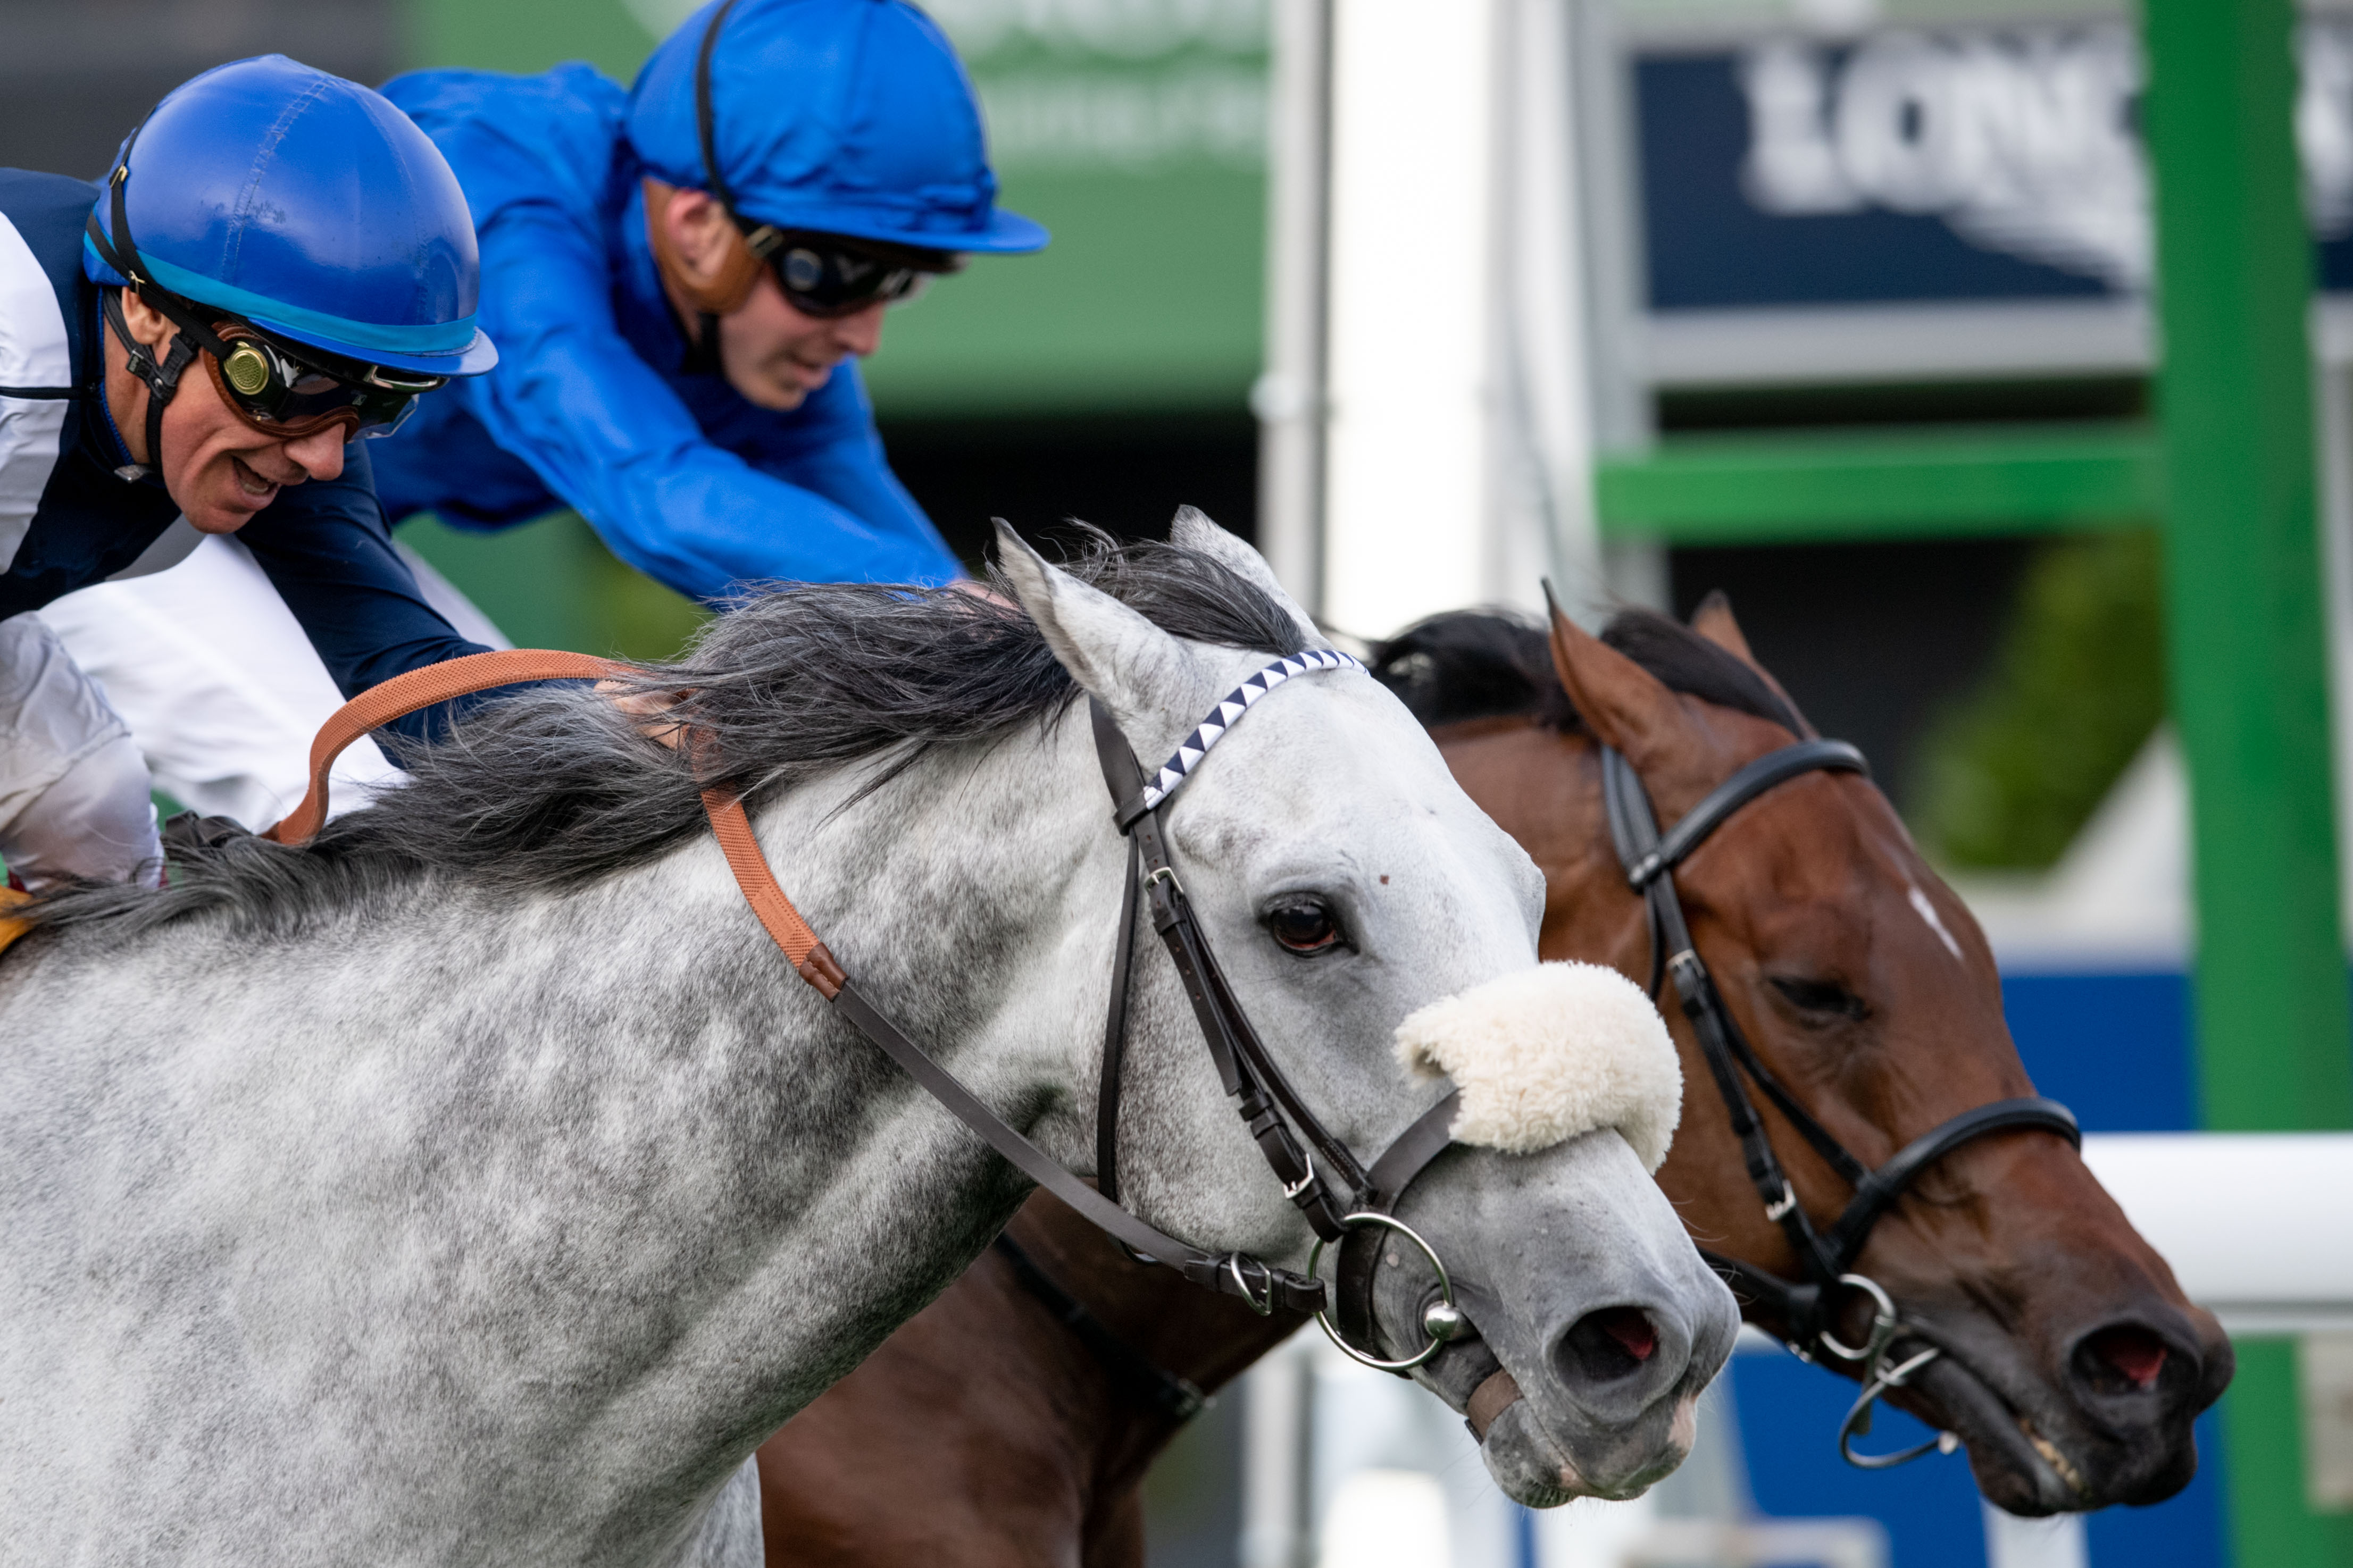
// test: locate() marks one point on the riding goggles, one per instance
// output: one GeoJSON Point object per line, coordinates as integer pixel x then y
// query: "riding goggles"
{"type": "Point", "coordinates": [287, 395]}
{"type": "Point", "coordinates": [827, 276]}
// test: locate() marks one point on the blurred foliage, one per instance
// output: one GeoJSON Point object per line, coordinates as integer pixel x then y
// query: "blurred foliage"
{"type": "Point", "coordinates": [2010, 773]}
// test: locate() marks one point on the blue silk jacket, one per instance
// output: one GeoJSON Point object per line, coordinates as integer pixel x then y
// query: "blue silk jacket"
{"type": "Point", "coordinates": [593, 404]}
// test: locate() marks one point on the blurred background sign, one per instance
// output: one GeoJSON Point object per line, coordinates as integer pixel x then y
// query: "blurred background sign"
{"type": "Point", "coordinates": [1924, 200]}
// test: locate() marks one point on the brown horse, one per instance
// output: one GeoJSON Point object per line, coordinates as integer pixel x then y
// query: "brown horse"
{"type": "Point", "coordinates": [987, 1431]}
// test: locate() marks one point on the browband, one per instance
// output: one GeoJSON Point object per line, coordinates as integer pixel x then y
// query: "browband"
{"type": "Point", "coordinates": [1187, 756]}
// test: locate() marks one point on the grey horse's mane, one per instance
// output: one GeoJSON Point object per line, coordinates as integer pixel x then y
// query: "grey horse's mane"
{"type": "Point", "coordinates": [552, 788]}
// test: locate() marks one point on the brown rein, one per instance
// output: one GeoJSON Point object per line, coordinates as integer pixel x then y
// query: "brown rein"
{"type": "Point", "coordinates": [405, 694]}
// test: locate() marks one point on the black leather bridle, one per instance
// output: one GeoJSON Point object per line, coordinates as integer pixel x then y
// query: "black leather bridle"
{"type": "Point", "coordinates": [1338, 1197]}
{"type": "Point", "coordinates": [1804, 1309]}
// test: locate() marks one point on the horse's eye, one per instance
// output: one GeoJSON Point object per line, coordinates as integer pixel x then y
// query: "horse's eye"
{"type": "Point", "coordinates": [1304, 925]}
{"type": "Point", "coordinates": [1821, 996]}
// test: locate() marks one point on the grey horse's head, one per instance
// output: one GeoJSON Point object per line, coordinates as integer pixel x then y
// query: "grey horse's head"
{"type": "Point", "coordinates": [1350, 888]}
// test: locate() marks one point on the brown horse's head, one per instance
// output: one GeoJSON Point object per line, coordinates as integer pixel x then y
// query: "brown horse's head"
{"type": "Point", "coordinates": [2072, 1364]}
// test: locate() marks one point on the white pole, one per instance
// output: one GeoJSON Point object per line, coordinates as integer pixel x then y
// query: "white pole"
{"type": "Point", "coordinates": [1278, 1424]}
{"type": "Point", "coordinates": [2257, 1226]}
{"type": "Point", "coordinates": [1288, 398]}
{"type": "Point", "coordinates": [1543, 524]}
{"type": "Point", "coordinates": [1460, 449]}
{"type": "Point", "coordinates": [1413, 281]}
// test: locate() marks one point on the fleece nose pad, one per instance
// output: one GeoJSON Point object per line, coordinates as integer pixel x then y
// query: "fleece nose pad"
{"type": "Point", "coordinates": [1545, 1054]}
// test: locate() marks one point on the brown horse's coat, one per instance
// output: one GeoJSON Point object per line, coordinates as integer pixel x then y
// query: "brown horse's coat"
{"type": "Point", "coordinates": [985, 1434]}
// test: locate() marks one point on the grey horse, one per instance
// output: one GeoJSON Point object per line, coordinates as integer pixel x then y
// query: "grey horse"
{"type": "Point", "coordinates": [477, 1184]}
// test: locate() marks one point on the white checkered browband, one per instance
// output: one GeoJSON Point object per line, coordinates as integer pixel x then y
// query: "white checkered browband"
{"type": "Point", "coordinates": [1237, 703]}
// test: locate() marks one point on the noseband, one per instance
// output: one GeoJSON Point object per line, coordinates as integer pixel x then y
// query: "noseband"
{"type": "Point", "coordinates": [1827, 1257]}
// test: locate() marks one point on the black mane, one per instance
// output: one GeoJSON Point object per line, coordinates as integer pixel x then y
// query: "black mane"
{"type": "Point", "coordinates": [1481, 664]}
{"type": "Point", "coordinates": [552, 788]}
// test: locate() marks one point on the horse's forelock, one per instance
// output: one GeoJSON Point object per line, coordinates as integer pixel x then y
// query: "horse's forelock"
{"type": "Point", "coordinates": [552, 788]}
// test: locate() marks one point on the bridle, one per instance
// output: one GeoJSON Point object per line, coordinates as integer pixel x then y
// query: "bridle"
{"type": "Point", "coordinates": [1345, 1197]}
{"type": "Point", "coordinates": [1827, 1257]}
{"type": "Point", "coordinates": [1340, 1198]}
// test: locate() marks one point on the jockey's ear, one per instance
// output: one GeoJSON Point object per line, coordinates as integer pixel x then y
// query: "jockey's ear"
{"type": "Point", "coordinates": [1193, 530]}
{"type": "Point", "coordinates": [1146, 678]}
{"type": "Point", "coordinates": [697, 249]}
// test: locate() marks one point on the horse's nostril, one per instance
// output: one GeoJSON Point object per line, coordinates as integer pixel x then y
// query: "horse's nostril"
{"type": "Point", "coordinates": [2124, 1359]}
{"type": "Point", "coordinates": [1631, 1330]}
{"type": "Point", "coordinates": [1613, 1343]}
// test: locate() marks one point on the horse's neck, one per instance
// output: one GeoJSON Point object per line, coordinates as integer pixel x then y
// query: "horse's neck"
{"type": "Point", "coordinates": [956, 898]}
{"type": "Point", "coordinates": [607, 1138]}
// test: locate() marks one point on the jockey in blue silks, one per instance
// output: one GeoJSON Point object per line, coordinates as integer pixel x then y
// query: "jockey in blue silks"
{"type": "Point", "coordinates": [681, 277]}
{"type": "Point", "coordinates": [278, 263]}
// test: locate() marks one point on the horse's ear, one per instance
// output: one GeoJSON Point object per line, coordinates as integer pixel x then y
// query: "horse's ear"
{"type": "Point", "coordinates": [1624, 705]}
{"type": "Point", "coordinates": [1116, 656]}
{"type": "Point", "coordinates": [1713, 620]}
{"type": "Point", "coordinates": [1193, 530]}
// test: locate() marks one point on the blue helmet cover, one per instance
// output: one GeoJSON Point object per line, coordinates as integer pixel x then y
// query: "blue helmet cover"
{"type": "Point", "coordinates": [849, 117]}
{"type": "Point", "coordinates": [309, 207]}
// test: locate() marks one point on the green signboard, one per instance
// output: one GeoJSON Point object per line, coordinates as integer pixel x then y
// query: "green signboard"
{"type": "Point", "coordinates": [1135, 130]}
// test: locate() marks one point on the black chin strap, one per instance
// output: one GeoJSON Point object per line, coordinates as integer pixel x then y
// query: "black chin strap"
{"type": "Point", "coordinates": [162, 380]}
{"type": "Point", "coordinates": [1650, 863]}
{"type": "Point", "coordinates": [1142, 1378]}
{"type": "Point", "coordinates": [703, 349]}
{"type": "Point", "coordinates": [191, 335]}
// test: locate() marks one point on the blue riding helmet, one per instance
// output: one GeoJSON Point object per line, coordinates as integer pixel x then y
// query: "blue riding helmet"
{"type": "Point", "coordinates": [305, 204]}
{"type": "Point", "coordinates": [846, 117]}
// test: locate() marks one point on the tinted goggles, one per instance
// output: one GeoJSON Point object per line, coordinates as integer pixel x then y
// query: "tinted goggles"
{"type": "Point", "coordinates": [289, 396]}
{"type": "Point", "coordinates": [825, 276]}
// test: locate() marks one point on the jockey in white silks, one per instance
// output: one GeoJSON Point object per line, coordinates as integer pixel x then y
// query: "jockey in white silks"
{"type": "Point", "coordinates": [279, 263]}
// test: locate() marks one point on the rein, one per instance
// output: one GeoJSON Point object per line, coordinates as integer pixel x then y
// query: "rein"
{"type": "Point", "coordinates": [1827, 1257]}
{"type": "Point", "coordinates": [1178, 1398]}
{"type": "Point", "coordinates": [1341, 1197]}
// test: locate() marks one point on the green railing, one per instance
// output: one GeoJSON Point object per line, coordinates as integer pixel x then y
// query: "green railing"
{"type": "Point", "coordinates": [1934, 482]}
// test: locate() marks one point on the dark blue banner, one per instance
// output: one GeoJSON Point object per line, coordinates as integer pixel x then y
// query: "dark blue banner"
{"type": "Point", "coordinates": [1987, 165]}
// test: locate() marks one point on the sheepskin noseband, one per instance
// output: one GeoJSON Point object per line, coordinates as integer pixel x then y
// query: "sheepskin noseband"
{"type": "Point", "coordinates": [1548, 1053]}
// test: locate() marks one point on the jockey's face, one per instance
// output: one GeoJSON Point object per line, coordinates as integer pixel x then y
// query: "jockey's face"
{"type": "Point", "coordinates": [775, 356]}
{"type": "Point", "coordinates": [219, 469]}
{"type": "Point", "coordinates": [772, 354]}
